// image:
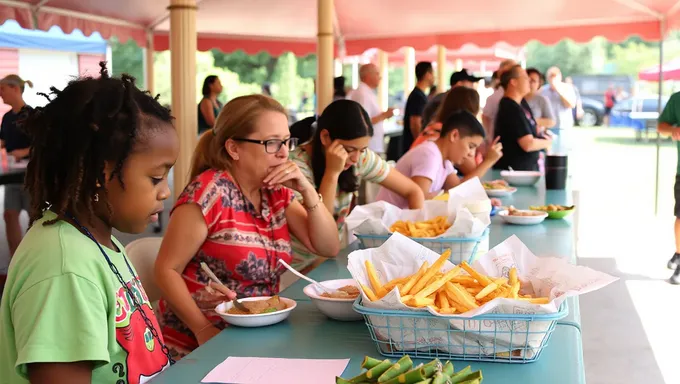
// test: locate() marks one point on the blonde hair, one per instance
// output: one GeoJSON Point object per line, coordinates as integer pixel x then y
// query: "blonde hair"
{"type": "Point", "coordinates": [237, 119]}
{"type": "Point", "coordinates": [16, 81]}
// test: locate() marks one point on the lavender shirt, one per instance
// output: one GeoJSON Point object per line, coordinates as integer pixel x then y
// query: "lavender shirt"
{"type": "Point", "coordinates": [424, 160]}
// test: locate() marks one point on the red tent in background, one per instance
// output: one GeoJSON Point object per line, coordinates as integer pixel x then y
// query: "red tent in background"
{"type": "Point", "coordinates": [671, 71]}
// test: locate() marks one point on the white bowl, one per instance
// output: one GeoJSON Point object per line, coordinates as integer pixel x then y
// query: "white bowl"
{"type": "Point", "coordinates": [338, 309]}
{"type": "Point", "coordinates": [521, 177]}
{"type": "Point", "coordinates": [259, 320]}
{"type": "Point", "coordinates": [522, 220]}
{"type": "Point", "coordinates": [500, 192]}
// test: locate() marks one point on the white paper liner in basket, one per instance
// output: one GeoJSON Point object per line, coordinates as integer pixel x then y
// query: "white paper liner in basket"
{"type": "Point", "coordinates": [550, 277]}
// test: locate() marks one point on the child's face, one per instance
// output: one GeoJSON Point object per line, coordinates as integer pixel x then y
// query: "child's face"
{"type": "Point", "coordinates": [145, 178]}
{"type": "Point", "coordinates": [461, 148]}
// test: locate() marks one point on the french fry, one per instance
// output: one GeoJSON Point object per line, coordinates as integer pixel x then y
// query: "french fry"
{"type": "Point", "coordinates": [413, 279]}
{"type": "Point", "coordinates": [514, 290]}
{"type": "Point", "coordinates": [369, 293]}
{"type": "Point", "coordinates": [479, 277]}
{"type": "Point", "coordinates": [442, 301]}
{"type": "Point", "coordinates": [447, 311]}
{"type": "Point", "coordinates": [421, 302]}
{"type": "Point", "coordinates": [462, 296]}
{"type": "Point", "coordinates": [512, 276]}
{"type": "Point", "coordinates": [430, 272]}
{"type": "Point", "coordinates": [427, 228]}
{"type": "Point", "coordinates": [536, 300]}
{"type": "Point", "coordinates": [486, 291]}
{"type": "Point", "coordinates": [434, 286]}
{"type": "Point", "coordinates": [373, 278]}
{"type": "Point", "coordinates": [395, 282]}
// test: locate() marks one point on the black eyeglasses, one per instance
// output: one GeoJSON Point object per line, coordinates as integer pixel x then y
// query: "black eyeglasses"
{"type": "Point", "coordinates": [273, 145]}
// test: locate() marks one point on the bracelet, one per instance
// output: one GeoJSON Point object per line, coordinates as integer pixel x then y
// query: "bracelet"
{"type": "Point", "coordinates": [203, 329]}
{"type": "Point", "coordinates": [310, 209]}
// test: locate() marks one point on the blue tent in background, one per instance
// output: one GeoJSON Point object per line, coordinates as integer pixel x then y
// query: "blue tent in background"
{"type": "Point", "coordinates": [13, 36]}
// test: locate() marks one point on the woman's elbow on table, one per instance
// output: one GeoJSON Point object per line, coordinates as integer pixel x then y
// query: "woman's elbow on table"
{"type": "Point", "coordinates": [316, 230]}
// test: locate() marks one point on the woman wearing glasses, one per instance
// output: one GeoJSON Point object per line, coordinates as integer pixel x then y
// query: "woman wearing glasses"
{"type": "Point", "coordinates": [336, 160]}
{"type": "Point", "coordinates": [236, 215]}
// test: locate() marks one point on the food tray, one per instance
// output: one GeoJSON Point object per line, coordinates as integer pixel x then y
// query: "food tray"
{"type": "Point", "coordinates": [462, 248]}
{"type": "Point", "coordinates": [492, 337]}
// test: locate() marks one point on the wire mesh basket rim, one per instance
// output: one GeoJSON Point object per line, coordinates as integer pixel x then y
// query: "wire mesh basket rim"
{"type": "Point", "coordinates": [560, 314]}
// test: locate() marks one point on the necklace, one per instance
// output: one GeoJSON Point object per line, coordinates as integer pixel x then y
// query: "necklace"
{"type": "Point", "coordinates": [128, 290]}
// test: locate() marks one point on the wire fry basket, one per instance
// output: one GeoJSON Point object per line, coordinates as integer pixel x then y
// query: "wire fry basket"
{"type": "Point", "coordinates": [462, 248]}
{"type": "Point", "coordinates": [518, 337]}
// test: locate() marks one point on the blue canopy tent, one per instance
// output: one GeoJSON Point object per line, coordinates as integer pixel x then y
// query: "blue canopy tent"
{"type": "Point", "coordinates": [13, 36]}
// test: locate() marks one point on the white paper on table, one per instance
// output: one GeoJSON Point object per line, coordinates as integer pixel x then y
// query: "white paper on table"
{"type": "Point", "coordinates": [265, 370]}
{"type": "Point", "coordinates": [377, 218]}
{"type": "Point", "coordinates": [550, 277]}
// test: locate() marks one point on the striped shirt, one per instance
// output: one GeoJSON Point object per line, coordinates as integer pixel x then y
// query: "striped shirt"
{"type": "Point", "coordinates": [370, 167]}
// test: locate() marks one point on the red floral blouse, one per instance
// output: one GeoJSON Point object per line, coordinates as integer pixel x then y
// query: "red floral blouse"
{"type": "Point", "coordinates": [242, 248]}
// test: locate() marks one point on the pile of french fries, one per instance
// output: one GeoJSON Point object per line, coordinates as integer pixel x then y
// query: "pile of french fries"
{"type": "Point", "coordinates": [458, 290]}
{"type": "Point", "coordinates": [426, 228]}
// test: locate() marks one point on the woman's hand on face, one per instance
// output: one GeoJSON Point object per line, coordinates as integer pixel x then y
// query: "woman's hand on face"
{"type": "Point", "coordinates": [336, 158]}
{"type": "Point", "coordinates": [289, 175]}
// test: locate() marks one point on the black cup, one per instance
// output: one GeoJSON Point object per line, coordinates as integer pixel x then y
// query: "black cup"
{"type": "Point", "coordinates": [556, 172]}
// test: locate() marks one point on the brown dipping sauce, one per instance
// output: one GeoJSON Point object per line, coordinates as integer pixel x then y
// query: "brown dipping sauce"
{"type": "Point", "coordinates": [346, 292]}
{"type": "Point", "coordinates": [273, 304]}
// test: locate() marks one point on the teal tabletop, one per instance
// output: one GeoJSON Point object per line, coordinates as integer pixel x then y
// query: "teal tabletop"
{"type": "Point", "coordinates": [309, 334]}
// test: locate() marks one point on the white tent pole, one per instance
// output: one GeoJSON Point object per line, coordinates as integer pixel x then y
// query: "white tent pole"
{"type": "Point", "coordinates": [662, 27]}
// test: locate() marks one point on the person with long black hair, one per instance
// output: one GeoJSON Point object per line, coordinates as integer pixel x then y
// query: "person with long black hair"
{"type": "Point", "coordinates": [209, 107]}
{"type": "Point", "coordinates": [338, 159]}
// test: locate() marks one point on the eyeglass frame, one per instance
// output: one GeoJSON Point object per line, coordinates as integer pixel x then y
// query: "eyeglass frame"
{"type": "Point", "coordinates": [292, 142]}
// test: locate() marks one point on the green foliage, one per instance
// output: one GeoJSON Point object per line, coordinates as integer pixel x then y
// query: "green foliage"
{"type": "Point", "coordinates": [256, 68]}
{"type": "Point", "coordinates": [127, 58]}
{"type": "Point", "coordinates": [570, 57]}
{"type": "Point", "coordinates": [285, 77]}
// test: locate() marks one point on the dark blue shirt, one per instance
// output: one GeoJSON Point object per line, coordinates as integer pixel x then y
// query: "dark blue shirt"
{"type": "Point", "coordinates": [11, 132]}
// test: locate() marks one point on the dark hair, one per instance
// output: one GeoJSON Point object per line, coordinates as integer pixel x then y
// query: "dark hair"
{"type": "Point", "coordinates": [339, 87]}
{"type": "Point", "coordinates": [209, 80]}
{"type": "Point", "coordinates": [91, 122]}
{"type": "Point", "coordinates": [344, 120]}
{"type": "Point", "coordinates": [466, 124]}
{"type": "Point", "coordinates": [494, 75]}
{"type": "Point", "coordinates": [458, 98]}
{"type": "Point", "coordinates": [422, 69]}
{"type": "Point", "coordinates": [509, 74]}
{"type": "Point", "coordinates": [533, 70]}
{"type": "Point", "coordinates": [433, 90]}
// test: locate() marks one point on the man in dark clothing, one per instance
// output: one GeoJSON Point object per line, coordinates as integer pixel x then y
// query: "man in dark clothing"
{"type": "Point", "coordinates": [516, 126]}
{"type": "Point", "coordinates": [458, 79]}
{"type": "Point", "coordinates": [415, 105]}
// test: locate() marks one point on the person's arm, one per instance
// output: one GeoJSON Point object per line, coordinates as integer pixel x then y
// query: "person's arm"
{"type": "Point", "coordinates": [425, 184]}
{"type": "Point", "coordinates": [668, 120]}
{"type": "Point", "coordinates": [21, 153]}
{"type": "Point", "coordinates": [187, 230]}
{"type": "Point", "coordinates": [567, 94]}
{"type": "Point", "coordinates": [404, 187]}
{"type": "Point", "coordinates": [79, 372]}
{"type": "Point", "coordinates": [208, 112]}
{"type": "Point", "coordinates": [415, 124]}
{"type": "Point", "coordinates": [382, 116]}
{"type": "Point", "coordinates": [529, 143]}
{"type": "Point", "coordinates": [316, 229]}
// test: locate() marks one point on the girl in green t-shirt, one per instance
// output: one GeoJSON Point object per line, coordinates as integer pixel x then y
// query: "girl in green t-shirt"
{"type": "Point", "coordinates": [74, 310]}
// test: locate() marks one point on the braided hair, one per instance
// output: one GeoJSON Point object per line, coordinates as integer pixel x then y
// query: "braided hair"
{"type": "Point", "coordinates": [91, 122]}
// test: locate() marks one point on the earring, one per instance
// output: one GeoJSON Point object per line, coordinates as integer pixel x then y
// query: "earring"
{"type": "Point", "coordinates": [95, 197]}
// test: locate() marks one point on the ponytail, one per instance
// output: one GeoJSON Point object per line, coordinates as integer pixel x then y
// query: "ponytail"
{"type": "Point", "coordinates": [201, 160]}
{"type": "Point", "coordinates": [29, 83]}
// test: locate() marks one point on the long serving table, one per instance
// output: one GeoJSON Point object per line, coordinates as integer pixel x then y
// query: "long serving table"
{"type": "Point", "coordinates": [309, 334]}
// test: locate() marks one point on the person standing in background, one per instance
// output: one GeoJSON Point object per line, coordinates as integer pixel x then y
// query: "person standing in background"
{"type": "Point", "coordinates": [415, 105]}
{"type": "Point", "coordinates": [562, 99]}
{"type": "Point", "coordinates": [491, 107]}
{"type": "Point", "coordinates": [209, 107]}
{"type": "Point", "coordinates": [577, 111]}
{"type": "Point", "coordinates": [669, 125]}
{"type": "Point", "coordinates": [366, 96]}
{"type": "Point", "coordinates": [540, 106]}
{"type": "Point", "coordinates": [458, 79]}
{"type": "Point", "coordinates": [609, 102]}
{"type": "Point", "coordinates": [17, 144]}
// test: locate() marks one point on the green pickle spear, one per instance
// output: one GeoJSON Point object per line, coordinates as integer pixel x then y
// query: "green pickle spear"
{"type": "Point", "coordinates": [432, 367]}
{"type": "Point", "coordinates": [448, 369]}
{"type": "Point", "coordinates": [401, 366]}
{"type": "Point", "coordinates": [410, 377]}
{"type": "Point", "coordinates": [474, 377]}
{"type": "Point", "coordinates": [460, 375]}
{"type": "Point", "coordinates": [340, 380]}
{"type": "Point", "coordinates": [373, 373]}
{"type": "Point", "coordinates": [370, 362]}
{"type": "Point", "coordinates": [426, 381]}
{"type": "Point", "coordinates": [440, 378]}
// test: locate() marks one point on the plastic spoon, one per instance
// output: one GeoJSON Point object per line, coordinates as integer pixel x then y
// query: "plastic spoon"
{"type": "Point", "coordinates": [300, 275]}
{"type": "Point", "coordinates": [214, 278]}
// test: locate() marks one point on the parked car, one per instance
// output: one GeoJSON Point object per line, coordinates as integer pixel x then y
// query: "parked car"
{"type": "Point", "coordinates": [593, 112]}
{"type": "Point", "coordinates": [640, 112]}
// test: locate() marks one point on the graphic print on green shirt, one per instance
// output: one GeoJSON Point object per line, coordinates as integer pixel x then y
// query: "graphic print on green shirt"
{"type": "Point", "coordinates": [62, 303]}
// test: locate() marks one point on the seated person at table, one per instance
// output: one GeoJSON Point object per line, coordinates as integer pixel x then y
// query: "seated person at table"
{"type": "Point", "coordinates": [467, 99]}
{"type": "Point", "coordinates": [430, 165]}
{"type": "Point", "coordinates": [336, 161]}
{"type": "Point", "coordinates": [74, 310]}
{"type": "Point", "coordinates": [516, 126]}
{"type": "Point", "coordinates": [236, 215]}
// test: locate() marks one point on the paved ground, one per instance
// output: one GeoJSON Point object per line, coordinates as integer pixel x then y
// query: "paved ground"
{"type": "Point", "coordinates": [628, 328]}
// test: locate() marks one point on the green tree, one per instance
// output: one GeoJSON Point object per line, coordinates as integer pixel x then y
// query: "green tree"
{"type": "Point", "coordinates": [127, 58]}
{"type": "Point", "coordinates": [256, 68]}
{"type": "Point", "coordinates": [570, 57]}
{"type": "Point", "coordinates": [285, 78]}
